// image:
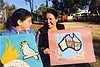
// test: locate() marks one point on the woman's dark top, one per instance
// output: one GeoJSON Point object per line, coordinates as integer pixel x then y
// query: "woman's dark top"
{"type": "Point", "coordinates": [42, 41]}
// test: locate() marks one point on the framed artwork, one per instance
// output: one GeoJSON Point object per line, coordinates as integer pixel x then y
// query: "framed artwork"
{"type": "Point", "coordinates": [71, 46]}
{"type": "Point", "coordinates": [19, 51]}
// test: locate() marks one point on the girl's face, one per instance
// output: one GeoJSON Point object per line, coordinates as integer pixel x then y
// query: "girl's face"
{"type": "Point", "coordinates": [26, 24]}
{"type": "Point", "coordinates": [51, 20]}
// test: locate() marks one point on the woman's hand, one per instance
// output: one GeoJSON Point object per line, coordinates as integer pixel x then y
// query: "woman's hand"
{"type": "Point", "coordinates": [46, 51]}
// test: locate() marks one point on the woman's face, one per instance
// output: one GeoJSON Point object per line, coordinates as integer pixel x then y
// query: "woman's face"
{"type": "Point", "coordinates": [51, 20]}
{"type": "Point", "coordinates": [26, 24]}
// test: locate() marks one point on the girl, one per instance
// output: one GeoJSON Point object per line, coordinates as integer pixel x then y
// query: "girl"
{"type": "Point", "coordinates": [19, 23]}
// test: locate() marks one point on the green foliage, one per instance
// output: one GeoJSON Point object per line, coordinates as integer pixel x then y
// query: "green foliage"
{"type": "Point", "coordinates": [31, 4]}
{"type": "Point", "coordinates": [1, 30]}
{"type": "Point", "coordinates": [1, 4]}
{"type": "Point", "coordinates": [41, 10]}
{"type": "Point", "coordinates": [70, 6]}
{"type": "Point", "coordinates": [95, 6]}
{"type": "Point", "coordinates": [9, 9]}
{"type": "Point", "coordinates": [6, 8]}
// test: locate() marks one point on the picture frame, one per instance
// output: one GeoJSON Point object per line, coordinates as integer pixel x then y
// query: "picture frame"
{"type": "Point", "coordinates": [19, 51]}
{"type": "Point", "coordinates": [71, 46]}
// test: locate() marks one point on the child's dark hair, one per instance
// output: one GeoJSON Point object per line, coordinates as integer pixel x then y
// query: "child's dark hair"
{"type": "Point", "coordinates": [19, 14]}
{"type": "Point", "coordinates": [52, 11]}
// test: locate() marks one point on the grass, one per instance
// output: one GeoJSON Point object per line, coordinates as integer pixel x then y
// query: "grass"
{"type": "Point", "coordinates": [94, 27]}
{"type": "Point", "coordinates": [36, 26]}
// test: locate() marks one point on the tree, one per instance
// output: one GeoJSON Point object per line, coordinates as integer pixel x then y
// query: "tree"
{"type": "Point", "coordinates": [1, 5]}
{"type": "Point", "coordinates": [70, 6]}
{"type": "Point", "coordinates": [31, 4]}
{"type": "Point", "coordinates": [9, 9]}
{"type": "Point", "coordinates": [67, 7]}
{"type": "Point", "coordinates": [47, 3]}
{"type": "Point", "coordinates": [6, 9]}
{"type": "Point", "coordinates": [41, 10]}
{"type": "Point", "coordinates": [31, 7]}
{"type": "Point", "coordinates": [95, 8]}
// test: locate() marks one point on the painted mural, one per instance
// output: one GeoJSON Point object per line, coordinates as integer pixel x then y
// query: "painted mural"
{"type": "Point", "coordinates": [19, 51]}
{"type": "Point", "coordinates": [69, 46]}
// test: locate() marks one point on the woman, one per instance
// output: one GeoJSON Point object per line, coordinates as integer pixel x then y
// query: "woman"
{"type": "Point", "coordinates": [19, 23]}
{"type": "Point", "coordinates": [51, 23]}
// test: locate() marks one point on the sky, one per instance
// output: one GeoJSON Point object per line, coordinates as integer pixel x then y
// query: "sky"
{"type": "Point", "coordinates": [23, 4]}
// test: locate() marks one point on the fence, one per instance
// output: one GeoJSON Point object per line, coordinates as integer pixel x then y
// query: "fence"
{"type": "Point", "coordinates": [87, 17]}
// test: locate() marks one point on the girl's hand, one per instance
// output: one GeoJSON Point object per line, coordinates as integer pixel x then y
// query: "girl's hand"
{"type": "Point", "coordinates": [46, 51]}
